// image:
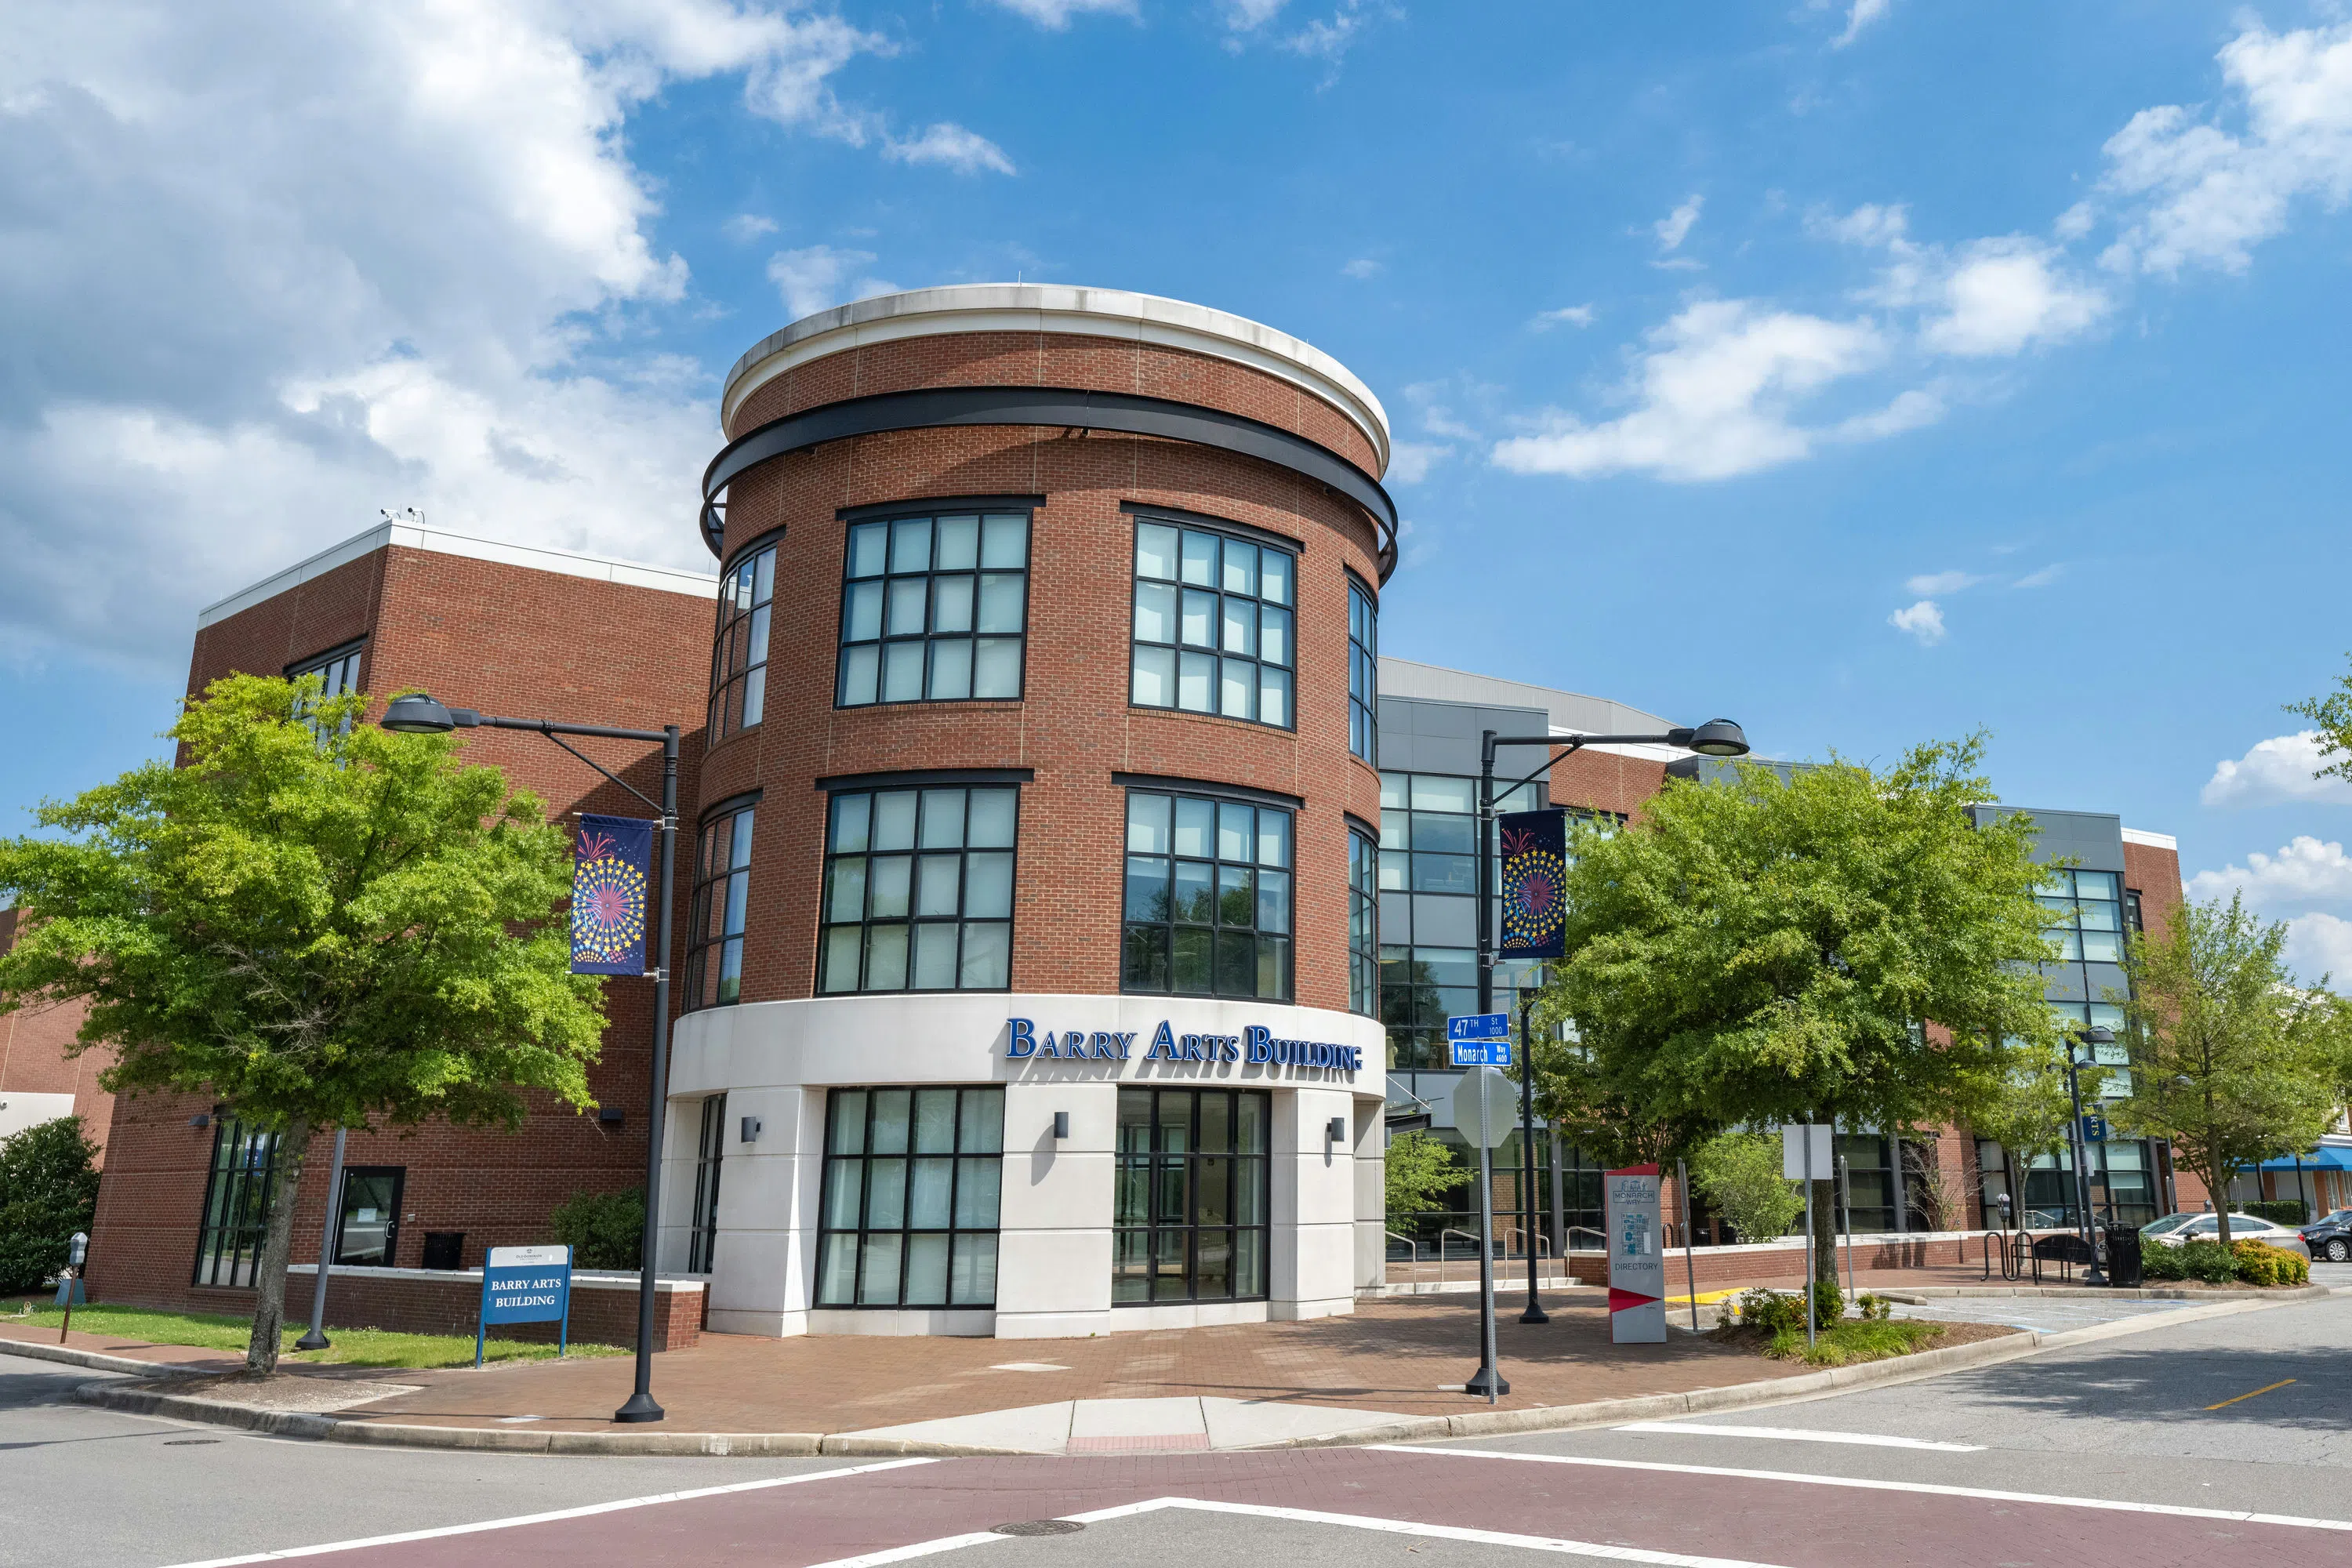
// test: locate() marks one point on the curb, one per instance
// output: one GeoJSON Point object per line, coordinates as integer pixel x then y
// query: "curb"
{"type": "Point", "coordinates": [1432, 1428]}
{"type": "Point", "coordinates": [98, 1361]}
{"type": "Point", "coordinates": [1917, 1294]}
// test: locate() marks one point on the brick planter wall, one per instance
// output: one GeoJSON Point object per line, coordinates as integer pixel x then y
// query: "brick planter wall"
{"type": "Point", "coordinates": [1783, 1262]}
{"type": "Point", "coordinates": [418, 1301]}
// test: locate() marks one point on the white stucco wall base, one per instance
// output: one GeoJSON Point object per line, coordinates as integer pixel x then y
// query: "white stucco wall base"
{"type": "Point", "coordinates": [776, 1061]}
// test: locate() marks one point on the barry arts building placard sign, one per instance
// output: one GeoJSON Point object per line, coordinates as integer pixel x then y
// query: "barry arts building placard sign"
{"type": "Point", "coordinates": [1255, 1047]}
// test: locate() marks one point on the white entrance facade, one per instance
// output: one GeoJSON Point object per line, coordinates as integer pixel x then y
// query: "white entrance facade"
{"type": "Point", "coordinates": [1306, 1128]}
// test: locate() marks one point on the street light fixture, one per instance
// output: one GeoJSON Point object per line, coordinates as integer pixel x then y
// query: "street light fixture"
{"type": "Point", "coordinates": [418, 714]}
{"type": "Point", "coordinates": [1716, 738]}
{"type": "Point", "coordinates": [2097, 1035]}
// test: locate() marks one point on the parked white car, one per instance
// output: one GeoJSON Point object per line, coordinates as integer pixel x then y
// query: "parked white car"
{"type": "Point", "coordinates": [2174, 1228]}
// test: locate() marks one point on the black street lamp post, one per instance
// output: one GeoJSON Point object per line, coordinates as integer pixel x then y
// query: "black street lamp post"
{"type": "Point", "coordinates": [1716, 738]}
{"type": "Point", "coordinates": [2097, 1035]}
{"type": "Point", "coordinates": [420, 714]}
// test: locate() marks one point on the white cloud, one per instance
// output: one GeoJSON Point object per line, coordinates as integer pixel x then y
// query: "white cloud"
{"type": "Point", "coordinates": [820, 277]}
{"type": "Point", "coordinates": [1909, 410]}
{"type": "Point", "coordinates": [2320, 943]}
{"type": "Point", "coordinates": [2213, 193]}
{"type": "Point", "coordinates": [269, 268]}
{"type": "Point", "coordinates": [2274, 771]}
{"type": "Point", "coordinates": [1566, 316]}
{"type": "Point", "coordinates": [1361, 268]}
{"type": "Point", "coordinates": [1713, 393]}
{"type": "Point", "coordinates": [2302, 874]}
{"type": "Point", "coordinates": [1248, 15]}
{"type": "Point", "coordinates": [1675, 226]}
{"type": "Point", "coordinates": [951, 146]}
{"type": "Point", "coordinates": [1998, 295]}
{"type": "Point", "coordinates": [1869, 224]}
{"type": "Point", "coordinates": [1924, 620]}
{"type": "Point", "coordinates": [2042, 579]}
{"type": "Point", "coordinates": [1056, 14]}
{"type": "Point", "coordinates": [1861, 15]}
{"type": "Point", "coordinates": [1928, 584]}
{"type": "Point", "coordinates": [745, 227]}
{"type": "Point", "coordinates": [1409, 461]}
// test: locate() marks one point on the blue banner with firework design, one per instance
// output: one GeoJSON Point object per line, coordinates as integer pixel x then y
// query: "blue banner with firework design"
{"type": "Point", "coordinates": [1534, 883]}
{"type": "Point", "coordinates": [610, 861]}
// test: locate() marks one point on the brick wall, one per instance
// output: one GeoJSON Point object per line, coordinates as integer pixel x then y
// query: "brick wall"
{"type": "Point", "coordinates": [417, 1302]}
{"type": "Point", "coordinates": [502, 639]}
{"type": "Point", "coordinates": [36, 1056]}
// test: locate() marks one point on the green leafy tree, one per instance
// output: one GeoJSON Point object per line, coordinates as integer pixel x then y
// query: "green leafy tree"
{"type": "Point", "coordinates": [1740, 1173]}
{"type": "Point", "coordinates": [2230, 1059]}
{"type": "Point", "coordinates": [2025, 1108]}
{"type": "Point", "coordinates": [315, 921]}
{"type": "Point", "coordinates": [2332, 715]}
{"type": "Point", "coordinates": [1762, 950]}
{"type": "Point", "coordinates": [48, 1190]}
{"type": "Point", "coordinates": [1418, 1170]}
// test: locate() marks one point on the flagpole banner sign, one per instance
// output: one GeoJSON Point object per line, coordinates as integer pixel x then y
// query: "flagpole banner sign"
{"type": "Point", "coordinates": [1637, 1263]}
{"type": "Point", "coordinates": [1533, 882]}
{"type": "Point", "coordinates": [610, 861]}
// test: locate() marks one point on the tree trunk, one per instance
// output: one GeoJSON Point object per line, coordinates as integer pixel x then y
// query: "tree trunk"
{"type": "Point", "coordinates": [276, 1248]}
{"type": "Point", "coordinates": [1825, 1232]}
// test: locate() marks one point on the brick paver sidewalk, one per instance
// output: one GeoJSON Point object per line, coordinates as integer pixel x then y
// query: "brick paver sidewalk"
{"type": "Point", "coordinates": [1392, 1355]}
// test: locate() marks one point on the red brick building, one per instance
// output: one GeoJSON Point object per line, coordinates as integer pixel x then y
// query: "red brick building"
{"type": "Point", "coordinates": [489, 626]}
{"type": "Point", "coordinates": [40, 1080]}
{"type": "Point", "coordinates": [1069, 895]}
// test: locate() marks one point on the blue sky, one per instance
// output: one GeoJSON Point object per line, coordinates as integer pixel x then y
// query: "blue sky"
{"type": "Point", "coordinates": [1865, 372]}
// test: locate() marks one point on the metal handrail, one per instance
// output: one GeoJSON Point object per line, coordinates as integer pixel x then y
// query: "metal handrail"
{"type": "Point", "coordinates": [1413, 1248]}
{"type": "Point", "coordinates": [1588, 1231]}
{"type": "Point", "coordinates": [1442, 1234]}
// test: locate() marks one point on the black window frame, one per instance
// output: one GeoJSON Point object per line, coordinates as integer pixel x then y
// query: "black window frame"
{"type": "Point", "coordinates": [705, 987]}
{"type": "Point", "coordinates": [399, 1174]}
{"type": "Point", "coordinates": [710, 1152]}
{"type": "Point", "coordinates": [864, 1102]}
{"type": "Point", "coordinates": [238, 1187]}
{"type": "Point", "coordinates": [931, 637]}
{"type": "Point", "coordinates": [915, 852]}
{"type": "Point", "coordinates": [1178, 649]}
{"type": "Point", "coordinates": [740, 639]}
{"type": "Point", "coordinates": [1139, 1178]}
{"type": "Point", "coordinates": [1143, 937]}
{"type": "Point", "coordinates": [1363, 923]}
{"type": "Point", "coordinates": [1363, 673]}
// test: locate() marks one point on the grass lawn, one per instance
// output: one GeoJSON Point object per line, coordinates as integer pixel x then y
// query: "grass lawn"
{"type": "Point", "coordinates": [1854, 1339]}
{"type": "Point", "coordinates": [351, 1347]}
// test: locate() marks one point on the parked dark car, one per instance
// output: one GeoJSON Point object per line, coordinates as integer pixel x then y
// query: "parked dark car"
{"type": "Point", "coordinates": [2330, 1237]}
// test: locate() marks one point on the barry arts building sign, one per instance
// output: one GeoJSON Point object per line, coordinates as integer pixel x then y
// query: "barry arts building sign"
{"type": "Point", "coordinates": [1254, 1046]}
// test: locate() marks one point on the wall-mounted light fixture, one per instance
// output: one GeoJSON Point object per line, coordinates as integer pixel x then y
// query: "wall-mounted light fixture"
{"type": "Point", "coordinates": [201, 1118]}
{"type": "Point", "coordinates": [750, 1129]}
{"type": "Point", "coordinates": [1337, 1132]}
{"type": "Point", "coordinates": [610, 1115]}
{"type": "Point", "coordinates": [1061, 1124]}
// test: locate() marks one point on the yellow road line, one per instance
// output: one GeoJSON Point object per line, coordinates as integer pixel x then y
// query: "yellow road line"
{"type": "Point", "coordinates": [2280, 1384]}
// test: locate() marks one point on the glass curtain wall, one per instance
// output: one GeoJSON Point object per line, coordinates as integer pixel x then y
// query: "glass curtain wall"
{"type": "Point", "coordinates": [1429, 969]}
{"type": "Point", "coordinates": [236, 1203]}
{"type": "Point", "coordinates": [702, 1246]}
{"type": "Point", "coordinates": [1190, 1204]}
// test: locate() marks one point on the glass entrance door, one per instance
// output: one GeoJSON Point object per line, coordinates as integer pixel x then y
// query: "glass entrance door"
{"type": "Point", "coordinates": [369, 1231]}
{"type": "Point", "coordinates": [1191, 1202]}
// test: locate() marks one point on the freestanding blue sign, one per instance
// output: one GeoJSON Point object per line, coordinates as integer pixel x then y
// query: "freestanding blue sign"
{"type": "Point", "coordinates": [526, 1285]}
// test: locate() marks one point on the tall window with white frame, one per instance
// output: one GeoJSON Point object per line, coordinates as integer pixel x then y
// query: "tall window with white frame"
{"type": "Point", "coordinates": [714, 932]}
{"type": "Point", "coordinates": [934, 609]}
{"type": "Point", "coordinates": [918, 890]}
{"type": "Point", "coordinates": [1363, 673]}
{"type": "Point", "coordinates": [739, 657]}
{"type": "Point", "coordinates": [1208, 902]}
{"type": "Point", "coordinates": [1215, 626]}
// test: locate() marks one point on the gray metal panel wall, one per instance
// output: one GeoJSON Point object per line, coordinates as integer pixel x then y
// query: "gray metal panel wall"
{"type": "Point", "coordinates": [1422, 736]}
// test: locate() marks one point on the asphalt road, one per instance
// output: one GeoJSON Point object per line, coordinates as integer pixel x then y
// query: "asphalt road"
{"type": "Point", "coordinates": [2080, 1455]}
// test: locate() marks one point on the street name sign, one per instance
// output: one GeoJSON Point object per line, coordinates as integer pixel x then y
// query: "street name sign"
{"type": "Point", "coordinates": [1478, 1026]}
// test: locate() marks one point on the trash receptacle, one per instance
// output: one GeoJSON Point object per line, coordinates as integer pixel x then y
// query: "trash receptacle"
{"type": "Point", "coordinates": [2123, 1255]}
{"type": "Point", "coordinates": [445, 1249]}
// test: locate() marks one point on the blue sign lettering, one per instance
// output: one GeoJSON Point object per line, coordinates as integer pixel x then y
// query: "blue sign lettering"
{"type": "Point", "coordinates": [1257, 1045]}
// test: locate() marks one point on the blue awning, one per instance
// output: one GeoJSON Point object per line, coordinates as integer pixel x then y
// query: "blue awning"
{"type": "Point", "coordinates": [2327, 1157]}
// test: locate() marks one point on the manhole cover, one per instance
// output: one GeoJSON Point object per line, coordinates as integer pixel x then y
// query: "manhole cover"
{"type": "Point", "coordinates": [188, 1442]}
{"type": "Point", "coordinates": [1038, 1527]}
